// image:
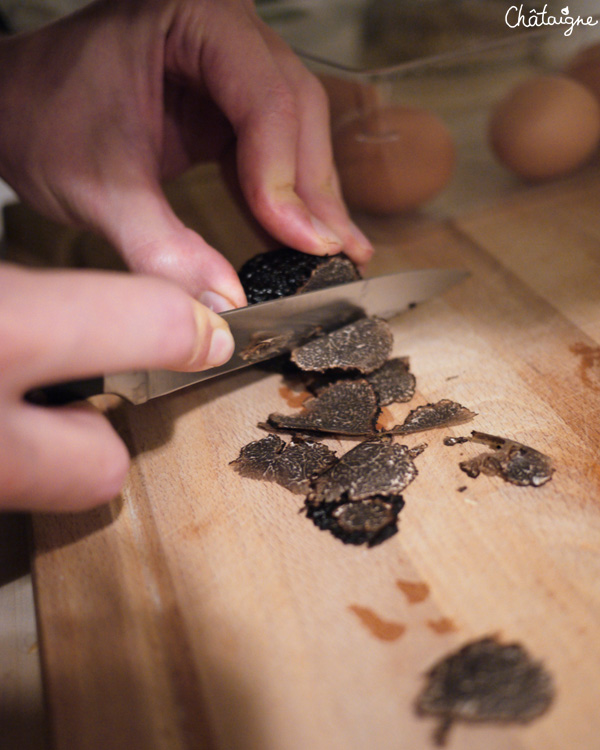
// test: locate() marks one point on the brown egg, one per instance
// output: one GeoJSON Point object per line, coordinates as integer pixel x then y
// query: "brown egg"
{"type": "Point", "coordinates": [545, 127]}
{"type": "Point", "coordinates": [585, 68]}
{"type": "Point", "coordinates": [393, 159]}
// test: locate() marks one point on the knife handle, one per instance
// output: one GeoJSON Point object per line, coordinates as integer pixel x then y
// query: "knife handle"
{"type": "Point", "coordinates": [65, 393]}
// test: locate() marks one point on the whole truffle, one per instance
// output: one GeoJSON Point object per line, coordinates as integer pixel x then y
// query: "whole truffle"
{"type": "Point", "coordinates": [285, 271]}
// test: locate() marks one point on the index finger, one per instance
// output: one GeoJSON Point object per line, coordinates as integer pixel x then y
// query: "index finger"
{"type": "Point", "coordinates": [58, 325]}
{"type": "Point", "coordinates": [246, 83]}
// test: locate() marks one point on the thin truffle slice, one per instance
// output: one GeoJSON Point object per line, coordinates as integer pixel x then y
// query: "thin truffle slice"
{"type": "Point", "coordinates": [267, 345]}
{"type": "Point", "coordinates": [344, 408]}
{"type": "Point", "coordinates": [331, 271]}
{"type": "Point", "coordinates": [514, 462]}
{"type": "Point", "coordinates": [285, 271]}
{"type": "Point", "coordinates": [444, 413]}
{"type": "Point", "coordinates": [393, 382]}
{"type": "Point", "coordinates": [368, 522]}
{"type": "Point", "coordinates": [293, 465]}
{"type": "Point", "coordinates": [363, 345]}
{"type": "Point", "coordinates": [373, 468]}
{"type": "Point", "coordinates": [485, 681]}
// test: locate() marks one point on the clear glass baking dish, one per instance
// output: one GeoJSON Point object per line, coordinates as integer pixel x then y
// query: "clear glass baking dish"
{"type": "Point", "coordinates": [454, 58]}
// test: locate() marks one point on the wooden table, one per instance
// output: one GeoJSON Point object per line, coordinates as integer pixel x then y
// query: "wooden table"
{"type": "Point", "coordinates": [201, 610]}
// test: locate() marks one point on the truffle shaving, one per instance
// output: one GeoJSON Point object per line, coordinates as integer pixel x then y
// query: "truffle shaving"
{"type": "Point", "coordinates": [514, 462]}
{"type": "Point", "coordinates": [334, 270]}
{"type": "Point", "coordinates": [373, 468]}
{"type": "Point", "coordinates": [344, 408]}
{"type": "Point", "coordinates": [363, 346]}
{"type": "Point", "coordinates": [266, 345]}
{"type": "Point", "coordinates": [368, 522]}
{"type": "Point", "coordinates": [393, 382]}
{"type": "Point", "coordinates": [485, 681]}
{"type": "Point", "coordinates": [444, 413]}
{"type": "Point", "coordinates": [293, 465]}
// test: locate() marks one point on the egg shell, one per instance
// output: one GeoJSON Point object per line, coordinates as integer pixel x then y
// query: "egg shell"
{"type": "Point", "coordinates": [393, 159]}
{"type": "Point", "coordinates": [584, 67]}
{"type": "Point", "coordinates": [545, 127]}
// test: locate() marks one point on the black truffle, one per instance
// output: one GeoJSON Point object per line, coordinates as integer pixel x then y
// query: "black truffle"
{"type": "Point", "coordinates": [293, 465]}
{"type": "Point", "coordinates": [363, 346]}
{"type": "Point", "coordinates": [485, 681]}
{"type": "Point", "coordinates": [344, 408]}
{"type": "Point", "coordinates": [374, 468]}
{"type": "Point", "coordinates": [444, 413]}
{"type": "Point", "coordinates": [455, 440]}
{"type": "Point", "coordinates": [393, 382]}
{"type": "Point", "coordinates": [368, 522]}
{"type": "Point", "coordinates": [284, 271]}
{"type": "Point", "coordinates": [514, 462]}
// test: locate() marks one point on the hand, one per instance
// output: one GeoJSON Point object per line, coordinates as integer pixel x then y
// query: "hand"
{"type": "Point", "coordinates": [102, 105]}
{"type": "Point", "coordinates": [60, 325]}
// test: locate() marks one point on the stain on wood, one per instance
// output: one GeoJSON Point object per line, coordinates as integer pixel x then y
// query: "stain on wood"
{"type": "Point", "coordinates": [293, 399]}
{"type": "Point", "coordinates": [386, 419]}
{"type": "Point", "coordinates": [384, 630]}
{"type": "Point", "coordinates": [589, 364]}
{"type": "Point", "coordinates": [442, 626]}
{"type": "Point", "coordinates": [414, 591]}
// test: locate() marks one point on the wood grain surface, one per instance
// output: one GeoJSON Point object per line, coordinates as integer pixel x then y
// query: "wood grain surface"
{"type": "Point", "coordinates": [202, 610]}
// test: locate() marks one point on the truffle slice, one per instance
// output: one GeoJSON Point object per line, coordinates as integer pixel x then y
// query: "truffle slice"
{"type": "Point", "coordinates": [363, 345]}
{"type": "Point", "coordinates": [293, 465]}
{"type": "Point", "coordinates": [444, 413]}
{"type": "Point", "coordinates": [267, 345]}
{"type": "Point", "coordinates": [514, 462]}
{"type": "Point", "coordinates": [344, 408]}
{"type": "Point", "coordinates": [393, 382]}
{"type": "Point", "coordinates": [284, 271]}
{"type": "Point", "coordinates": [373, 468]}
{"type": "Point", "coordinates": [485, 681]}
{"type": "Point", "coordinates": [368, 522]}
{"type": "Point", "coordinates": [331, 271]}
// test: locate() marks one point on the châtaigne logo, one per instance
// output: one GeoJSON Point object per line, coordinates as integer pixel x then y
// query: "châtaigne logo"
{"type": "Point", "coordinates": [516, 16]}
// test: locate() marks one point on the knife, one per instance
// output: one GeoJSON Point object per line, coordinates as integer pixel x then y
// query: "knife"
{"type": "Point", "coordinates": [267, 329]}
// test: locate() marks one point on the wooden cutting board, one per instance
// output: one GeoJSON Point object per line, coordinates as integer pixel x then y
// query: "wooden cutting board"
{"type": "Point", "coordinates": [202, 610]}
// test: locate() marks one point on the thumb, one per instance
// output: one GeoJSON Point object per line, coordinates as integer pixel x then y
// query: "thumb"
{"type": "Point", "coordinates": [57, 325]}
{"type": "Point", "coordinates": [141, 224]}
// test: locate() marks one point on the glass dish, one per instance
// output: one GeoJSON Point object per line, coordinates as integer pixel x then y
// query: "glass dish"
{"type": "Point", "coordinates": [453, 58]}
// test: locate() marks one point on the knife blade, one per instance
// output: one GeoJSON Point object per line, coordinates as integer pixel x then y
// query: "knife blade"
{"type": "Point", "coordinates": [267, 329]}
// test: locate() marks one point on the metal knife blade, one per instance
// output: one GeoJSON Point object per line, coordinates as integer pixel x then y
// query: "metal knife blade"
{"type": "Point", "coordinates": [267, 329]}
{"type": "Point", "coordinates": [264, 330]}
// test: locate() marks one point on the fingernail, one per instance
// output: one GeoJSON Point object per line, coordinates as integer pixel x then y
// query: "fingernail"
{"type": "Point", "coordinates": [221, 347]}
{"type": "Point", "coordinates": [326, 234]}
{"type": "Point", "coordinates": [215, 302]}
